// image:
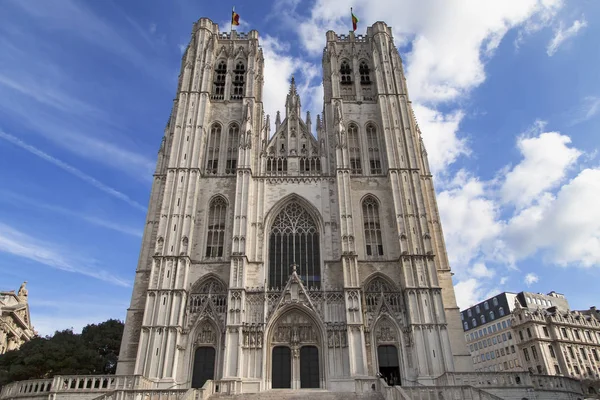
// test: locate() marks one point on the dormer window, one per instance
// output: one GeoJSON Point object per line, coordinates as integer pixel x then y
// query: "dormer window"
{"type": "Point", "coordinates": [219, 82]}
{"type": "Point", "coordinates": [237, 91]}
{"type": "Point", "coordinates": [345, 73]}
{"type": "Point", "coordinates": [364, 72]}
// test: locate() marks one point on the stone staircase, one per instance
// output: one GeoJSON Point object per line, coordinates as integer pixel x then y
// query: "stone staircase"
{"type": "Point", "coordinates": [303, 394]}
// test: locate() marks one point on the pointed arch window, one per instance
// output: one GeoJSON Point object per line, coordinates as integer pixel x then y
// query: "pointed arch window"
{"type": "Point", "coordinates": [233, 142]}
{"type": "Point", "coordinates": [363, 70]}
{"type": "Point", "coordinates": [276, 166]}
{"type": "Point", "coordinates": [294, 240]}
{"type": "Point", "coordinates": [215, 239]}
{"type": "Point", "coordinates": [354, 150]}
{"type": "Point", "coordinates": [345, 73]}
{"type": "Point", "coordinates": [237, 92]}
{"type": "Point", "coordinates": [378, 289]}
{"type": "Point", "coordinates": [212, 152]}
{"type": "Point", "coordinates": [374, 244]}
{"type": "Point", "coordinates": [310, 165]}
{"type": "Point", "coordinates": [374, 152]}
{"type": "Point", "coordinates": [219, 81]}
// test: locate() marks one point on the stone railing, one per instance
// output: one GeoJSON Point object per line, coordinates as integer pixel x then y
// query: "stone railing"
{"type": "Point", "coordinates": [441, 393]}
{"type": "Point", "coordinates": [73, 384]}
{"type": "Point", "coordinates": [148, 394]}
{"type": "Point", "coordinates": [556, 383]}
{"type": "Point", "coordinates": [485, 379]}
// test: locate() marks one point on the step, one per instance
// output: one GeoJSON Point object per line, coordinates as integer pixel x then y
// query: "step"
{"type": "Point", "coordinates": [289, 394]}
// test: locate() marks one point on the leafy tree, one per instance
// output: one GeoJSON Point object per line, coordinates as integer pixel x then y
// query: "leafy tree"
{"type": "Point", "coordinates": [94, 351]}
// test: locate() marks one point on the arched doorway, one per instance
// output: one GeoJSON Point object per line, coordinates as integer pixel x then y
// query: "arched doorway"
{"type": "Point", "coordinates": [389, 366]}
{"type": "Point", "coordinates": [309, 367]}
{"type": "Point", "coordinates": [204, 366]}
{"type": "Point", "coordinates": [281, 371]}
{"type": "Point", "coordinates": [296, 358]}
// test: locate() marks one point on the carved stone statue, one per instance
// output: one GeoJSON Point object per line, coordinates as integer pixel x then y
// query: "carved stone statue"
{"type": "Point", "coordinates": [23, 290]}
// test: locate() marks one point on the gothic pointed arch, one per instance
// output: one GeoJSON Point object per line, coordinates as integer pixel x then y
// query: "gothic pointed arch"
{"type": "Point", "coordinates": [215, 227]}
{"type": "Point", "coordinates": [294, 240]}
{"type": "Point", "coordinates": [208, 300]}
{"type": "Point", "coordinates": [354, 149]}
{"type": "Point", "coordinates": [239, 80]}
{"type": "Point", "coordinates": [219, 75]}
{"type": "Point", "coordinates": [382, 297]}
{"type": "Point", "coordinates": [233, 142]}
{"type": "Point", "coordinates": [374, 149]}
{"type": "Point", "coordinates": [372, 227]}
{"type": "Point", "coordinates": [213, 148]}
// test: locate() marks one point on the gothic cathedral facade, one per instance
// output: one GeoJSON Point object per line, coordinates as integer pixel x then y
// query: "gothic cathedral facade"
{"type": "Point", "coordinates": [310, 256]}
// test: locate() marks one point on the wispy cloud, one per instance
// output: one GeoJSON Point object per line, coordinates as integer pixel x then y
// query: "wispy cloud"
{"type": "Point", "coordinates": [561, 35]}
{"type": "Point", "coordinates": [72, 170]}
{"type": "Point", "coordinates": [588, 109]}
{"type": "Point", "coordinates": [531, 278]}
{"type": "Point", "coordinates": [17, 199]}
{"type": "Point", "coordinates": [20, 244]}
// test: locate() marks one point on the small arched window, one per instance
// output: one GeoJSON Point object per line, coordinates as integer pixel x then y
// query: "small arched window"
{"type": "Point", "coordinates": [486, 305]}
{"type": "Point", "coordinates": [345, 73]}
{"type": "Point", "coordinates": [233, 142]}
{"type": "Point", "coordinates": [215, 239]}
{"type": "Point", "coordinates": [374, 244]}
{"type": "Point", "coordinates": [495, 301]}
{"type": "Point", "coordinates": [465, 326]}
{"type": "Point", "coordinates": [364, 72]}
{"type": "Point", "coordinates": [501, 311]}
{"type": "Point", "coordinates": [212, 152]}
{"type": "Point", "coordinates": [492, 315]}
{"type": "Point", "coordinates": [354, 150]}
{"type": "Point", "coordinates": [219, 81]}
{"type": "Point", "coordinates": [474, 322]}
{"type": "Point", "coordinates": [237, 92]}
{"type": "Point", "coordinates": [374, 153]}
{"type": "Point", "coordinates": [482, 318]}
{"type": "Point", "coordinates": [477, 309]}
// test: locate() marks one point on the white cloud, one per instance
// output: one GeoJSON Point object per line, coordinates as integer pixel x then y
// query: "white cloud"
{"type": "Point", "coordinates": [449, 40]}
{"type": "Point", "coordinates": [20, 244]}
{"type": "Point", "coordinates": [469, 218]}
{"type": "Point", "coordinates": [468, 292]}
{"type": "Point", "coordinates": [440, 134]}
{"type": "Point", "coordinates": [480, 270]}
{"type": "Point", "coordinates": [546, 160]}
{"type": "Point", "coordinates": [588, 109]}
{"type": "Point", "coordinates": [72, 170]}
{"type": "Point", "coordinates": [279, 68]}
{"type": "Point", "coordinates": [561, 35]}
{"type": "Point", "coordinates": [531, 278]}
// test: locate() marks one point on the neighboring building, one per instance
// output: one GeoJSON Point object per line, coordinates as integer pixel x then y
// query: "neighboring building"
{"type": "Point", "coordinates": [489, 336]}
{"type": "Point", "coordinates": [552, 341]}
{"type": "Point", "coordinates": [15, 321]}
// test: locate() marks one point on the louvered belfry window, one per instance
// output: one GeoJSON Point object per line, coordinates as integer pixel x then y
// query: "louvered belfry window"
{"type": "Point", "coordinates": [373, 242]}
{"type": "Point", "coordinates": [233, 142]}
{"type": "Point", "coordinates": [294, 240]}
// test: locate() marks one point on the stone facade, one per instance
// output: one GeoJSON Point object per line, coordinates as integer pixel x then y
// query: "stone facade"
{"type": "Point", "coordinates": [15, 321]}
{"type": "Point", "coordinates": [320, 239]}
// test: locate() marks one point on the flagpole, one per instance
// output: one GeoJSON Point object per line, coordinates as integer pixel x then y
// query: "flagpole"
{"type": "Point", "coordinates": [231, 22]}
{"type": "Point", "coordinates": [352, 19]}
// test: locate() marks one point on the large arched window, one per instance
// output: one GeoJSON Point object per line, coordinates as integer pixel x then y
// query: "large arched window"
{"type": "Point", "coordinates": [215, 239]}
{"type": "Point", "coordinates": [374, 153]}
{"type": "Point", "coordinates": [374, 244]}
{"type": "Point", "coordinates": [294, 240]}
{"type": "Point", "coordinates": [345, 73]}
{"type": "Point", "coordinates": [354, 150]}
{"type": "Point", "coordinates": [237, 92]}
{"type": "Point", "coordinates": [219, 81]}
{"type": "Point", "coordinates": [212, 152]}
{"type": "Point", "coordinates": [233, 142]}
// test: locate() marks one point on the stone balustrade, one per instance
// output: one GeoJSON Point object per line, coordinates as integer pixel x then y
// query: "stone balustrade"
{"type": "Point", "coordinates": [73, 384]}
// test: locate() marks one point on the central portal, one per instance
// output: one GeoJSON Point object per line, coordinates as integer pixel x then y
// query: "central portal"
{"type": "Point", "coordinates": [295, 342]}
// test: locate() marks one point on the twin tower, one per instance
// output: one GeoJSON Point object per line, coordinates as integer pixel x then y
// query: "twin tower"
{"type": "Point", "coordinates": [310, 256]}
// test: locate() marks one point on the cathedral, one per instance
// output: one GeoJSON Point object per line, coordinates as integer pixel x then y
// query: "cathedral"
{"type": "Point", "coordinates": [293, 255]}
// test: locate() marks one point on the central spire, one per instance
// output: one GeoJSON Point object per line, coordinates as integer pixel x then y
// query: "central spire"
{"type": "Point", "coordinates": [292, 102]}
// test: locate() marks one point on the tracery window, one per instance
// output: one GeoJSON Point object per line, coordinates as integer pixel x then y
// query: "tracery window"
{"type": "Point", "coordinates": [374, 154]}
{"type": "Point", "coordinates": [211, 290]}
{"type": "Point", "coordinates": [354, 150]}
{"type": "Point", "coordinates": [294, 240]}
{"type": "Point", "coordinates": [378, 289]}
{"type": "Point", "coordinates": [345, 73]}
{"type": "Point", "coordinates": [215, 239]}
{"type": "Point", "coordinates": [212, 152]}
{"type": "Point", "coordinates": [237, 92]}
{"type": "Point", "coordinates": [233, 141]}
{"type": "Point", "coordinates": [276, 165]}
{"type": "Point", "coordinates": [310, 165]}
{"type": "Point", "coordinates": [364, 72]}
{"type": "Point", "coordinates": [374, 244]}
{"type": "Point", "coordinates": [219, 81]}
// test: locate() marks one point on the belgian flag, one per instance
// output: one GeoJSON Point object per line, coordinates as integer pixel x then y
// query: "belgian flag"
{"type": "Point", "coordinates": [354, 20]}
{"type": "Point", "coordinates": [235, 18]}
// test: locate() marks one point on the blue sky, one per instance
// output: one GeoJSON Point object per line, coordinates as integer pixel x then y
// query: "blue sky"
{"type": "Point", "coordinates": [507, 95]}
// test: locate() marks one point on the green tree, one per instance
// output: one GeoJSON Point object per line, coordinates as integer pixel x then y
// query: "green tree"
{"type": "Point", "coordinates": [94, 351]}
